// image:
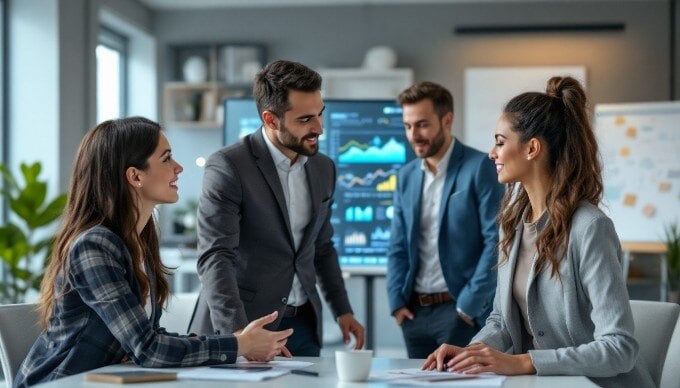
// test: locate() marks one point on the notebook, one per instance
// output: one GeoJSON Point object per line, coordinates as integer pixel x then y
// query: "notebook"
{"type": "Point", "coordinates": [137, 376]}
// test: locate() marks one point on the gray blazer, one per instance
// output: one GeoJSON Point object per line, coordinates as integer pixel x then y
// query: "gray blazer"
{"type": "Point", "coordinates": [582, 323]}
{"type": "Point", "coordinates": [247, 256]}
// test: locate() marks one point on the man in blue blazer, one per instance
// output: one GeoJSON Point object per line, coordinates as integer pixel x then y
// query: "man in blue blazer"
{"type": "Point", "coordinates": [440, 276]}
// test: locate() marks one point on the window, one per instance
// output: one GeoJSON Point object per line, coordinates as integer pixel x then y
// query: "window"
{"type": "Point", "coordinates": [111, 75]}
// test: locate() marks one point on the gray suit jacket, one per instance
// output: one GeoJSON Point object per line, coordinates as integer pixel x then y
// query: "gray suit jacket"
{"type": "Point", "coordinates": [246, 252]}
{"type": "Point", "coordinates": [582, 323]}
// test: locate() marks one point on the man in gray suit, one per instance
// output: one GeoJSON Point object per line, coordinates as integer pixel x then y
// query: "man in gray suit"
{"type": "Point", "coordinates": [264, 232]}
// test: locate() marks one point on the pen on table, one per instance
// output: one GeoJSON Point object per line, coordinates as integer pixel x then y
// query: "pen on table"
{"type": "Point", "coordinates": [304, 372]}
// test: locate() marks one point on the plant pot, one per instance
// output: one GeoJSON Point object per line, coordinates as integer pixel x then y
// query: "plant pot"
{"type": "Point", "coordinates": [674, 296]}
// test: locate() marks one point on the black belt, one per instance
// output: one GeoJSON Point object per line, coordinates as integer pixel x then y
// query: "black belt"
{"type": "Point", "coordinates": [291, 311]}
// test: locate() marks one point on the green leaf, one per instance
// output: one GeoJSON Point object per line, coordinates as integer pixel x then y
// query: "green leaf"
{"type": "Point", "coordinates": [32, 198]}
{"type": "Point", "coordinates": [29, 203]}
{"type": "Point", "coordinates": [8, 177]}
{"type": "Point", "coordinates": [21, 273]}
{"type": "Point", "coordinates": [31, 172]}
{"type": "Point", "coordinates": [13, 245]}
{"type": "Point", "coordinates": [51, 212]}
{"type": "Point", "coordinates": [20, 207]}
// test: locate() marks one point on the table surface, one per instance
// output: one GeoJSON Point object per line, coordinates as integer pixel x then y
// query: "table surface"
{"type": "Point", "coordinates": [327, 378]}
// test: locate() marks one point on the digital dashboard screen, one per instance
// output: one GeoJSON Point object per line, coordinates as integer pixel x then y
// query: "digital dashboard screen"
{"type": "Point", "coordinates": [366, 139]}
{"type": "Point", "coordinates": [367, 142]}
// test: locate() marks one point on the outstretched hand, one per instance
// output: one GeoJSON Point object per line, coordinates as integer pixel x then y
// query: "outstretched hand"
{"type": "Point", "coordinates": [259, 344]}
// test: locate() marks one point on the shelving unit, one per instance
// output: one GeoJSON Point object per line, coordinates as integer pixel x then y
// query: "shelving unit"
{"type": "Point", "coordinates": [198, 105]}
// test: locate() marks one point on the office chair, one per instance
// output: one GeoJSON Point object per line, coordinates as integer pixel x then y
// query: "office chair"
{"type": "Point", "coordinates": [176, 318]}
{"type": "Point", "coordinates": [654, 325]}
{"type": "Point", "coordinates": [18, 331]}
{"type": "Point", "coordinates": [670, 376]}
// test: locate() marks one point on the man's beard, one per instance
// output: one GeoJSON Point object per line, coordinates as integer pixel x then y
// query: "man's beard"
{"type": "Point", "coordinates": [296, 145]}
{"type": "Point", "coordinates": [435, 144]}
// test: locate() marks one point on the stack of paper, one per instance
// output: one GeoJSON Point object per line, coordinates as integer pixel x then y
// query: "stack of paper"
{"type": "Point", "coordinates": [417, 377]}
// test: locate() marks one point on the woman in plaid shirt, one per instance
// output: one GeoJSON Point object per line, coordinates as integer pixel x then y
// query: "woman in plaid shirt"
{"type": "Point", "coordinates": [105, 284]}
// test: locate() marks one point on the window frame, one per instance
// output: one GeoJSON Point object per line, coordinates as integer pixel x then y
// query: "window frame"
{"type": "Point", "coordinates": [113, 40]}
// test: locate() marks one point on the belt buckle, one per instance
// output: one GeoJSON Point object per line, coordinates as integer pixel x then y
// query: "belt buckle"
{"type": "Point", "coordinates": [291, 311]}
{"type": "Point", "coordinates": [425, 300]}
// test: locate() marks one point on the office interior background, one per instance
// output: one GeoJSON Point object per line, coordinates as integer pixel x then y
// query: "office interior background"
{"type": "Point", "coordinates": [67, 64]}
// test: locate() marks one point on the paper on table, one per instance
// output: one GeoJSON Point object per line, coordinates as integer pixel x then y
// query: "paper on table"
{"type": "Point", "coordinates": [206, 373]}
{"type": "Point", "coordinates": [279, 364]}
{"type": "Point", "coordinates": [419, 377]}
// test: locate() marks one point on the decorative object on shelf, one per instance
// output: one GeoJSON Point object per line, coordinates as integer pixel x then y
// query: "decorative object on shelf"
{"type": "Point", "coordinates": [380, 58]}
{"type": "Point", "coordinates": [23, 254]}
{"type": "Point", "coordinates": [239, 63]}
{"type": "Point", "coordinates": [672, 232]}
{"type": "Point", "coordinates": [195, 69]}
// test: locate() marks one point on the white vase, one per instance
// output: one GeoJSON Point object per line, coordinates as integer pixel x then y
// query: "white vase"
{"type": "Point", "coordinates": [195, 69]}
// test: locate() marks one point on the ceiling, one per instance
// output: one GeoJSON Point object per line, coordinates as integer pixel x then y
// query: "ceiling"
{"type": "Point", "coordinates": [203, 4]}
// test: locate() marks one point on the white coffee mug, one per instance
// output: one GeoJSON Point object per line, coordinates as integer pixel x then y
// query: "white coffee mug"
{"type": "Point", "coordinates": [353, 365]}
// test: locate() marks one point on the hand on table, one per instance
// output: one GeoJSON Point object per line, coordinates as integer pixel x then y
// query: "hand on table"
{"type": "Point", "coordinates": [478, 358]}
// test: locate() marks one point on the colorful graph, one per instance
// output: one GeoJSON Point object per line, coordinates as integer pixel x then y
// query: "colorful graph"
{"type": "Point", "coordinates": [355, 238]}
{"type": "Point", "coordinates": [380, 234]}
{"type": "Point", "coordinates": [389, 184]}
{"type": "Point", "coordinates": [359, 214]}
{"type": "Point", "coordinates": [391, 151]}
{"type": "Point", "coordinates": [349, 180]}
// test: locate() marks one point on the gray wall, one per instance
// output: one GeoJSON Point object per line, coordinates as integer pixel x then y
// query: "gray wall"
{"type": "Point", "coordinates": [628, 66]}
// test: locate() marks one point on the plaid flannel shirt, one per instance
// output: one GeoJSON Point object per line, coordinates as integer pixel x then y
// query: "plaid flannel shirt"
{"type": "Point", "coordinates": [100, 319]}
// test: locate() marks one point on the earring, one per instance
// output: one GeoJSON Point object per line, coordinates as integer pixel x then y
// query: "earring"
{"type": "Point", "coordinates": [139, 185]}
{"type": "Point", "coordinates": [528, 157]}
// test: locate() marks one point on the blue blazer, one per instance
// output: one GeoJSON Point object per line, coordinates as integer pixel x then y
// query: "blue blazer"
{"type": "Point", "coordinates": [467, 237]}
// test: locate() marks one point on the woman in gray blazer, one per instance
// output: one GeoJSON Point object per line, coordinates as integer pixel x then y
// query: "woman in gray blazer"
{"type": "Point", "coordinates": [561, 305]}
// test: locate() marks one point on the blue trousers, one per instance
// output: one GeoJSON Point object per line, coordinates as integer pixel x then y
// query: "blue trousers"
{"type": "Point", "coordinates": [303, 342]}
{"type": "Point", "coordinates": [434, 325]}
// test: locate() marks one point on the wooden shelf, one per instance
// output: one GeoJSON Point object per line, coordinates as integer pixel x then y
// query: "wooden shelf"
{"type": "Point", "coordinates": [199, 104]}
{"type": "Point", "coordinates": [643, 247]}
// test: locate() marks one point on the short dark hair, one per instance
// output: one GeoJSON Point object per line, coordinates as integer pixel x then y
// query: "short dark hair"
{"type": "Point", "coordinates": [441, 98]}
{"type": "Point", "coordinates": [274, 82]}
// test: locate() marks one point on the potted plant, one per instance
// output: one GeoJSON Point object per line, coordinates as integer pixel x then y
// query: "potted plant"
{"type": "Point", "coordinates": [24, 244]}
{"type": "Point", "coordinates": [673, 261]}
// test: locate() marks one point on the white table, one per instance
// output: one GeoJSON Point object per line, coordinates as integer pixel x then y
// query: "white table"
{"type": "Point", "coordinates": [327, 378]}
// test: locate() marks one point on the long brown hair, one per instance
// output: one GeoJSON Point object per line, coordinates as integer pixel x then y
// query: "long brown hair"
{"type": "Point", "coordinates": [99, 195]}
{"type": "Point", "coordinates": [559, 118]}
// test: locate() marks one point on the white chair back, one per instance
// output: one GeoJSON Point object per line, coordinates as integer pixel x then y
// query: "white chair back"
{"type": "Point", "coordinates": [654, 325]}
{"type": "Point", "coordinates": [179, 311]}
{"type": "Point", "coordinates": [18, 331]}
{"type": "Point", "coordinates": [670, 376]}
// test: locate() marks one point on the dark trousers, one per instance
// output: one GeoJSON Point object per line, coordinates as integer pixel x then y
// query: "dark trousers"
{"type": "Point", "coordinates": [303, 342]}
{"type": "Point", "coordinates": [435, 325]}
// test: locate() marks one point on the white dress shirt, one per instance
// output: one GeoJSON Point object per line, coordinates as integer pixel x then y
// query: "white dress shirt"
{"type": "Point", "coordinates": [430, 278]}
{"type": "Point", "coordinates": [298, 203]}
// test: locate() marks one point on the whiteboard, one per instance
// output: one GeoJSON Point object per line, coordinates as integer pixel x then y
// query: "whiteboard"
{"type": "Point", "coordinates": [640, 144]}
{"type": "Point", "coordinates": [488, 89]}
